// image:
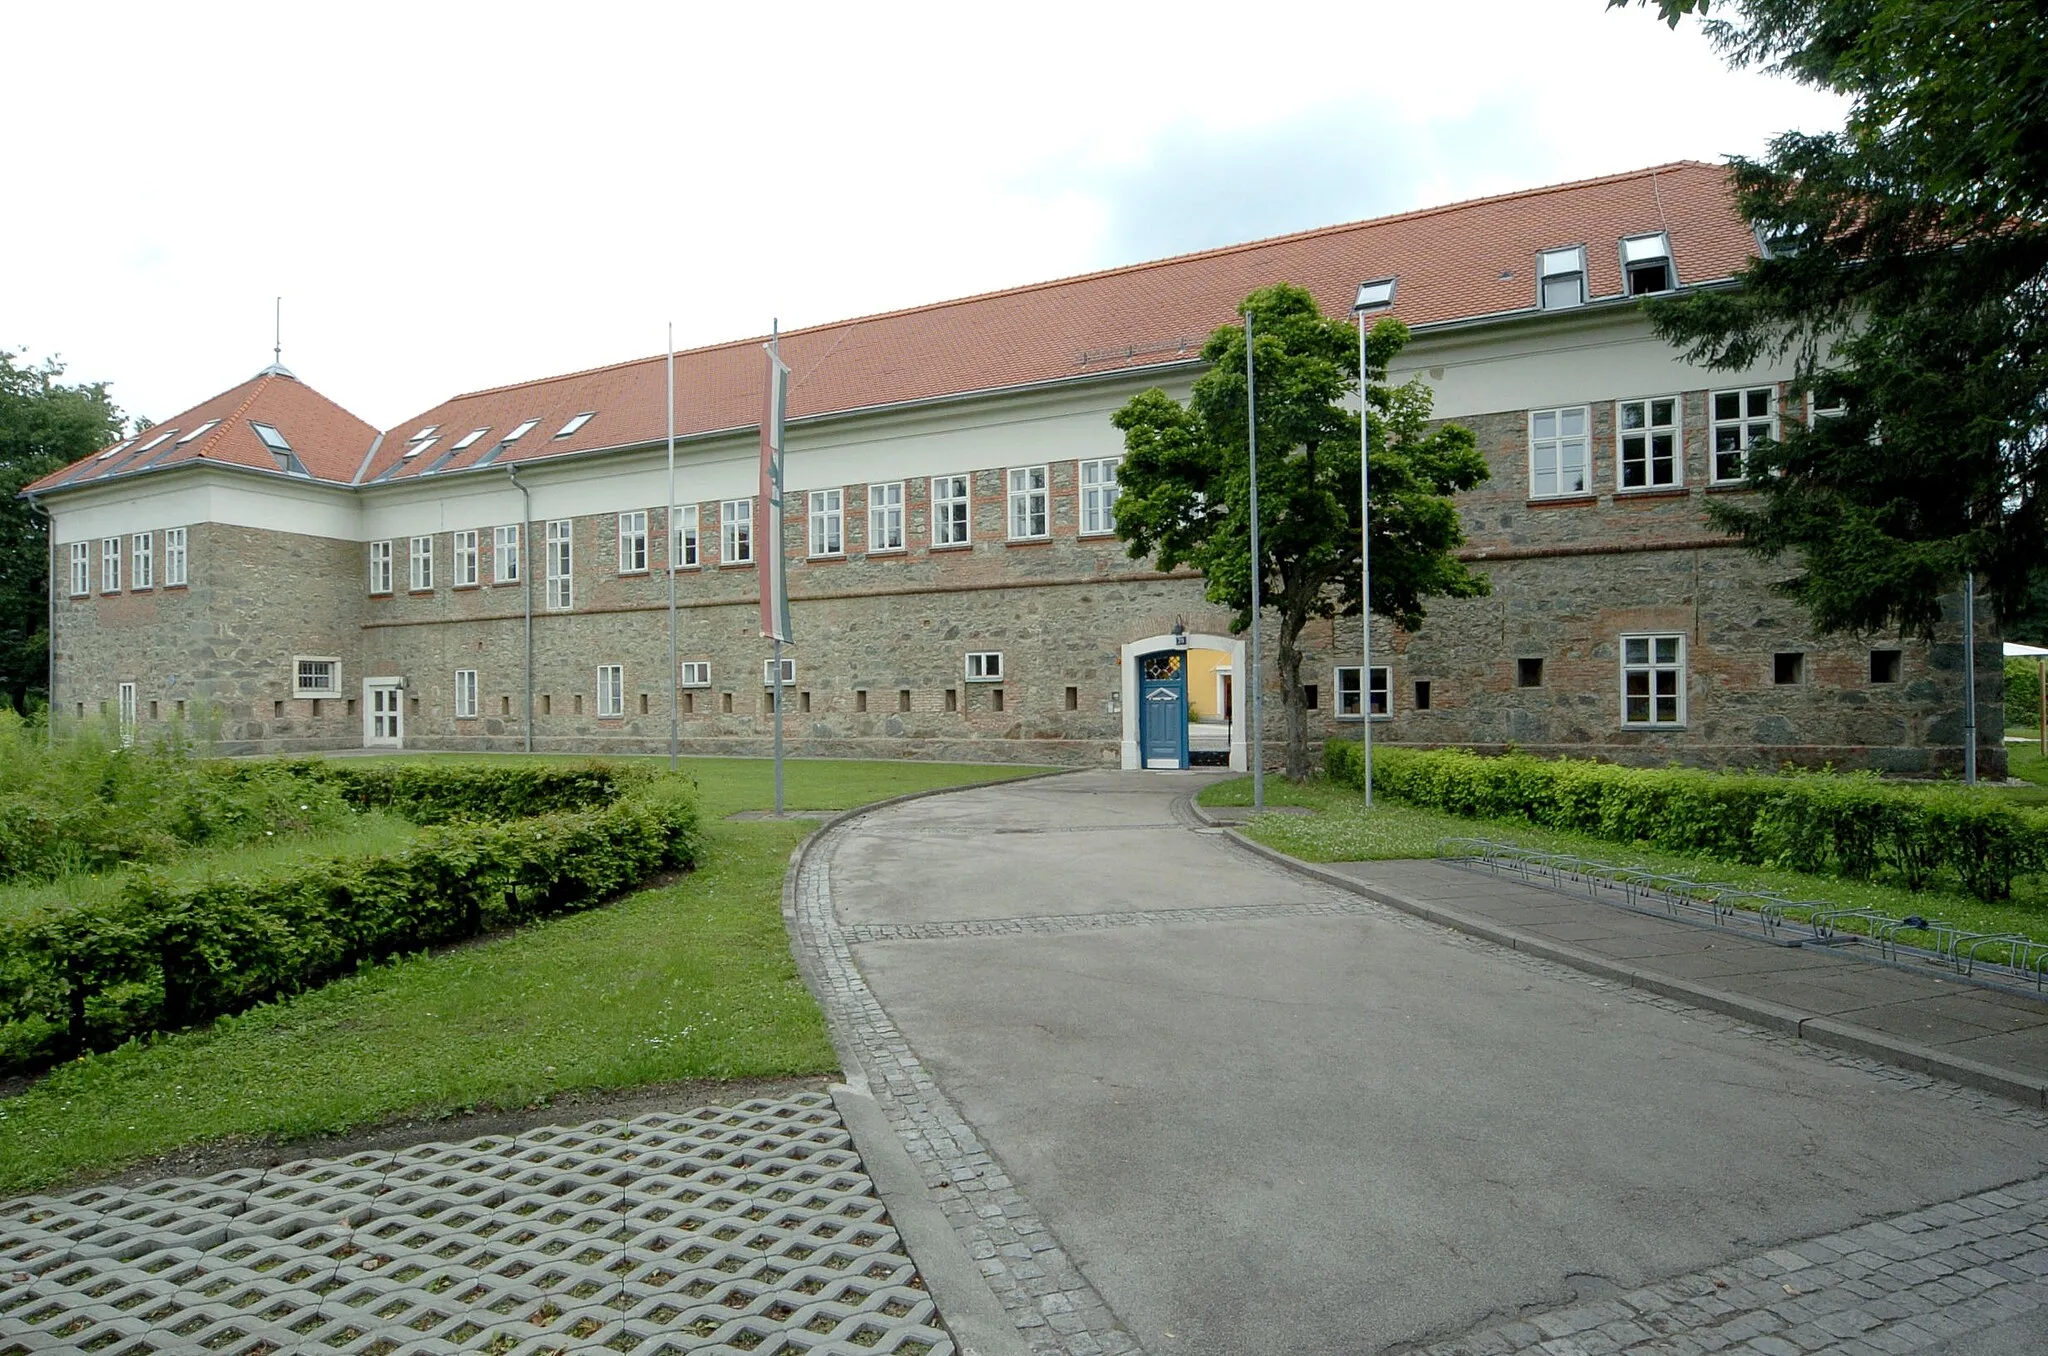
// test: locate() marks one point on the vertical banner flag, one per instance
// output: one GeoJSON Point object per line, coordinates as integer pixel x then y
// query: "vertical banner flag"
{"type": "Point", "coordinates": [768, 506]}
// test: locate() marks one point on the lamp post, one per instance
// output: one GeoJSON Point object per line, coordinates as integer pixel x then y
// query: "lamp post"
{"type": "Point", "coordinates": [1373, 297]}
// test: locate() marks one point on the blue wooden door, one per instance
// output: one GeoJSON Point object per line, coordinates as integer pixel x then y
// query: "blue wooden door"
{"type": "Point", "coordinates": [1163, 709]}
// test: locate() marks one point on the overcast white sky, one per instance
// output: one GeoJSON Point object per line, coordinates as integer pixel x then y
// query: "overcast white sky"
{"type": "Point", "coordinates": [451, 196]}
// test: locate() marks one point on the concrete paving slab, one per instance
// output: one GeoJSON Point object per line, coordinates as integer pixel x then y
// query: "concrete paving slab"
{"type": "Point", "coordinates": [1847, 989]}
{"type": "Point", "coordinates": [1976, 1008]}
{"type": "Point", "coordinates": [1729, 956]}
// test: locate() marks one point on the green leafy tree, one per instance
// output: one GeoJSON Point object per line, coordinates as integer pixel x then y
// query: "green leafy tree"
{"type": "Point", "coordinates": [44, 424]}
{"type": "Point", "coordinates": [1185, 482]}
{"type": "Point", "coordinates": [1908, 281]}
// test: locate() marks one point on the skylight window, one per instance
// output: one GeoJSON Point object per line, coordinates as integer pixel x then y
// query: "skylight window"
{"type": "Point", "coordinates": [272, 439]}
{"type": "Point", "coordinates": [1562, 278]}
{"type": "Point", "coordinates": [116, 449]}
{"type": "Point", "coordinates": [425, 433]}
{"type": "Point", "coordinates": [159, 438]}
{"type": "Point", "coordinates": [1646, 263]}
{"type": "Point", "coordinates": [466, 439]}
{"type": "Point", "coordinates": [578, 422]}
{"type": "Point", "coordinates": [516, 434]}
{"type": "Point", "coordinates": [1377, 295]}
{"type": "Point", "coordinates": [418, 447]}
{"type": "Point", "coordinates": [203, 428]}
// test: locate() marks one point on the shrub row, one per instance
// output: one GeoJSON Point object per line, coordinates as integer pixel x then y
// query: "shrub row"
{"type": "Point", "coordinates": [1855, 826]}
{"type": "Point", "coordinates": [434, 793]}
{"type": "Point", "coordinates": [163, 955]}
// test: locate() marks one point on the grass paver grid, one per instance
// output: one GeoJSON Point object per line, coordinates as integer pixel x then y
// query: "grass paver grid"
{"type": "Point", "coordinates": [723, 1229]}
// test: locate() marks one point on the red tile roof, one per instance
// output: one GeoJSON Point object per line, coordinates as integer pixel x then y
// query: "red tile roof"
{"type": "Point", "coordinates": [1455, 262]}
{"type": "Point", "coordinates": [328, 441]}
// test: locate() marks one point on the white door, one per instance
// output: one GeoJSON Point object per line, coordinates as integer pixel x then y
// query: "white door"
{"type": "Point", "coordinates": [127, 695]}
{"type": "Point", "coordinates": [383, 713]}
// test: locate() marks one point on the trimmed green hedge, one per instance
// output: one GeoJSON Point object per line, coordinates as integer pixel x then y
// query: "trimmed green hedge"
{"type": "Point", "coordinates": [164, 955]}
{"type": "Point", "coordinates": [434, 793]}
{"type": "Point", "coordinates": [1855, 826]}
{"type": "Point", "coordinates": [2022, 693]}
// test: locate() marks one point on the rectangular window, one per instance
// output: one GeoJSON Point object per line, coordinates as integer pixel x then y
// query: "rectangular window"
{"type": "Point", "coordinates": [81, 568]}
{"type": "Point", "coordinates": [1558, 461]}
{"type": "Point", "coordinates": [695, 673]}
{"type": "Point", "coordinates": [985, 666]}
{"type": "Point", "coordinates": [950, 516]}
{"type": "Point", "coordinates": [736, 532]}
{"type": "Point", "coordinates": [1646, 263]}
{"type": "Point", "coordinates": [885, 516]}
{"type": "Point", "coordinates": [125, 695]}
{"type": "Point", "coordinates": [505, 554]}
{"type": "Point", "coordinates": [380, 567]}
{"type": "Point", "coordinates": [110, 565]}
{"type": "Point", "coordinates": [768, 673]}
{"type": "Point", "coordinates": [1884, 666]}
{"type": "Point", "coordinates": [1561, 278]}
{"type": "Point", "coordinates": [465, 694]}
{"type": "Point", "coordinates": [633, 542]}
{"type": "Point", "coordinates": [1422, 694]}
{"type": "Point", "coordinates": [828, 522]}
{"type": "Point", "coordinates": [315, 677]}
{"type": "Point", "coordinates": [1098, 497]}
{"type": "Point", "coordinates": [463, 569]}
{"type": "Point", "coordinates": [1347, 691]}
{"type": "Point", "coordinates": [1742, 420]}
{"type": "Point", "coordinates": [561, 565]}
{"type": "Point", "coordinates": [1788, 668]}
{"type": "Point", "coordinates": [1528, 673]}
{"type": "Point", "coordinates": [611, 690]}
{"type": "Point", "coordinates": [1648, 440]}
{"type": "Point", "coordinates": [174, 557]}
{"type": "Point", "coordinates": [682, 538]}
{"type": "Point", "coordinates": [1653, 681]}
{"type": "Point", "coordinates": [1027, 502]}
{"type": "Point", "coordinates": [420, 558]}
{"type": "Point", "coordinates": [142, 563]}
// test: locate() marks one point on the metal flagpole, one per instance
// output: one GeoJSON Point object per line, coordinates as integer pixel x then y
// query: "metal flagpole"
{"type": "Point", "coordinates": [674, 653]}
{"type": "Point", "coordinates": [1251, 415]}
{"type": "Point", "coordinates": [1365, 566]}
{"type": "Point", "coordinates": [775, 543]}
{"type": "Point", "coordinates": [1970, 678]}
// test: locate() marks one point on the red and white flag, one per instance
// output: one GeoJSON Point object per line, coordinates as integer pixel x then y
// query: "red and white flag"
{"type": "Point", "coordinates": [768, 505]}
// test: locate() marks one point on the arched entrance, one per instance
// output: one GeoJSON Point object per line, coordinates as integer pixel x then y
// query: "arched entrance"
{"type": "Point", "coordinates": [1158, 699]}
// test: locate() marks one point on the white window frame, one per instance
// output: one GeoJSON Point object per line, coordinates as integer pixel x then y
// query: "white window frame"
{"type": "Point", "coordinates": [633, 542]}
{"type": "Point", "coordinates": [561, 558]}
{"type": "Point", "coordinates": [1344, 686]}
{"type": "Point", "coordinates": [1740, 431]}
{"type": "Point", "coordinates": [465, 694]}
{"type": "Point", "coordinates": [1645, 435]}
{"type": "Point", "coordinates": [684, 544]}
{"type": "Point", "coordinates": [828, 523]}
{"type": "Point", "coordinates": [885, 517]}
{"type": "Point", "coordinates": [1648, 663]}
{"type": "Point", "coordinates": [1030, 503]}
{"type": "Point", "coordinates": [380, 567]}
{"type": "Point", "coordinates": [611, 691]}
{"type": "Point", "coordinates": [81, 569]}
{"type": "Point", "coordinates": [1652, 248]}
{"type": "Point", "coordinates": [325, 683]}
{"type": "Point", "coordinates": [788, 673]}
{"type": "Point", "coordinates": [1555, 445]}
{"type": "Point", "coordinates": [174, 557]}
{"type": "Point", "coordinates": [950, 493]}
{"type": "Point", "coordinates": [419, 564]}
{"type": "Point", "coordinates": [694, 673]}
{"type": "Point", "coordinates": [1099, 491]}
{"type": "Point", "coordinates": [984, 666]}
{"type": "Point", "coordinates": [462, 564]}
{"type": "Point", "coordinates": [110, 565]}
{"type": "Point", "coordinates": [1567, 262]}
{"type": "Point", "coordinates": [505, 554]}
{"type": "Point", "coordinates": [736, 532]}
{"type": "Point", "coordinates": [142, 561]}
{"type": "Point", "coordinates": [125, 709]}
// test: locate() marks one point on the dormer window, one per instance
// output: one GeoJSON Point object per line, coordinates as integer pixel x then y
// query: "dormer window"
{"type": "Point", "coordinates": [272, 439]}
{"type": "Point", "coordinates": [1646, 264]}
{"type": "Point", "coordinates": [1775, 242]}
{"type": "Point", "coordinates": [1561, 278]}
{"type": "Point", "coordinates": [578, 422]}
{"type": "Point", "coordinates": [1377, 295]}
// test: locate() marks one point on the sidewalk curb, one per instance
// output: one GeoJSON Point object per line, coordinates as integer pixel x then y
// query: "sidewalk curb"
{"type": "Point", "coordinates": [1786, 1021]}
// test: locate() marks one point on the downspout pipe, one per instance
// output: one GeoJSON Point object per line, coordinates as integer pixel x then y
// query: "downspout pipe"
{"type": "Point", "coordinates": [50, 626]}
{"type": "Point", "coordinates": [526, 580]}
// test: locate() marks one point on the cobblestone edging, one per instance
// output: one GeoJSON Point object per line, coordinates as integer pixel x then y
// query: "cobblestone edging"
{"type": "Point", "coordinates": [1042, 924]}
{"type": "Point", "coordinates": [1906, 1284]}
{"type": "Point", "coordinates": [1039, 1286]}
{"type": "Point", "coordinates": [724, 1229]}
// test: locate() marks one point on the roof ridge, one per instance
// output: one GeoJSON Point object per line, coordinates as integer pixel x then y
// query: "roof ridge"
{"type": "Point", "coordinates": [1221, 251]}
{"type": "Point", "coordinates": [221, 426]}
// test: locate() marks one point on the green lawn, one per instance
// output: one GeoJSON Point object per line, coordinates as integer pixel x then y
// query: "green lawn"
{"type": "Point", "coordinates": [1342, 831]}
{"type": "Point", "coordinates": [2025, 760]}
{"type": "Point", "coordinates": [689, 980]}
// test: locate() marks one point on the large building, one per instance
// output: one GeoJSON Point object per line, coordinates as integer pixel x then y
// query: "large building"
{"type": "Point", "coordinates": [494, 572]}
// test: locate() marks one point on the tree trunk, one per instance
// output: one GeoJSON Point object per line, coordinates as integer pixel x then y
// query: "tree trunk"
{"type": "Point", "coordinates": [1297, 766]}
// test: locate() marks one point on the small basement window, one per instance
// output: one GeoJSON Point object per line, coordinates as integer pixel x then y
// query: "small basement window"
{"type": "Point", "coordinates": [1788, 668]}
{"type": "Point", "coordinates": [1309, 696]}
{"type": "Point", "coordinates": [1646, 263]}
{"type": "Point", "coordinates": [1528, 673]}
{"type": "Point", "coordinates": [902, 699]}
{"type": "Point", "coordinates": [1884, 666]}
{"type": "Point", "coordinates": [1422, 694]}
